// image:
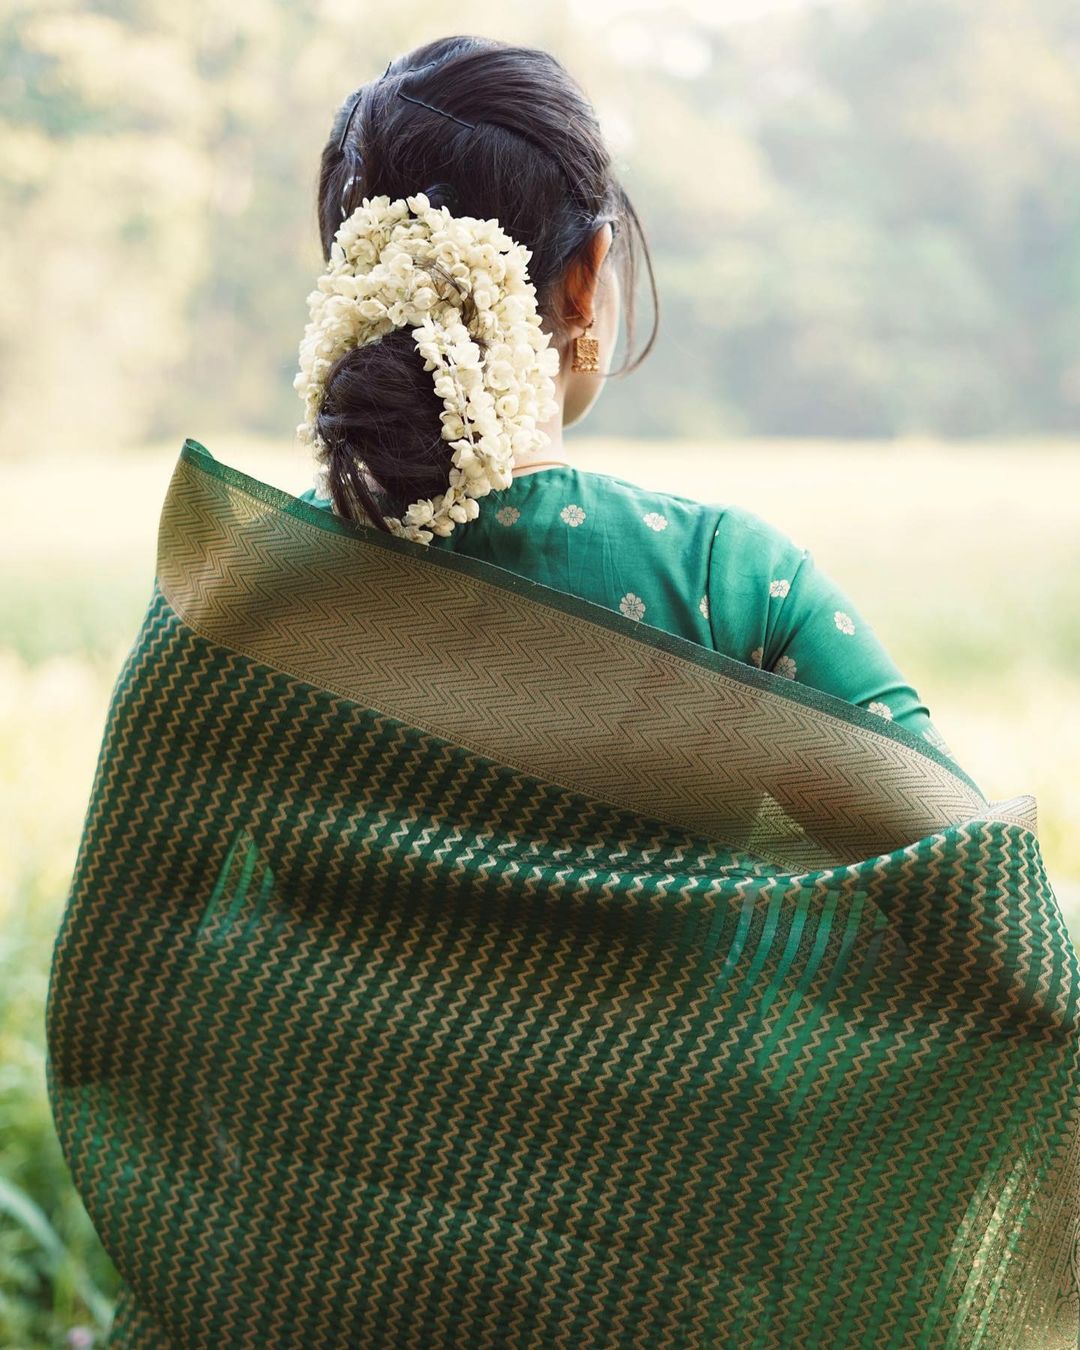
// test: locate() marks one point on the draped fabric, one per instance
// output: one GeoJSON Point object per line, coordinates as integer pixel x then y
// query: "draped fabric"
{"type": "Point", "coordinates": [450, 961]}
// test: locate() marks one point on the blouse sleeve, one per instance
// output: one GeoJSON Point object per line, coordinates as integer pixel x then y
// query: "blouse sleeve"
{"type": "Point", "coordinates": [808, 629]}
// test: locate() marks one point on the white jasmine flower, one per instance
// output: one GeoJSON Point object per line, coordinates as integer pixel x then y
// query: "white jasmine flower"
{"type": "Point", "coordinates": [421, 512]}
{"type": "Point", "coordinates": [382, 275]}
{"type": "Point", "coordinates": [453, 426]}
{"type": "Point", "coordinates": [501, 375]}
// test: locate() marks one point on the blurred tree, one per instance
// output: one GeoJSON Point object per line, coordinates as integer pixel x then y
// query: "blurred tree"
{"type": "Point", "coordinates": [106, 214]}
{"type": "Point", "coordinates": [865, 216]}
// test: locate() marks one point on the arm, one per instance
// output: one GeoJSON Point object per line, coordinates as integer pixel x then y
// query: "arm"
{"type": "Point", "coordinates": [808, 629]}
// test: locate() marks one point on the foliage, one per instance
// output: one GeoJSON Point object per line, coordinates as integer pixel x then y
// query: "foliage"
{"type": "Point", "coordinates": [864, 215]}
{"type": "Point", "coordinates": [54, 1275]}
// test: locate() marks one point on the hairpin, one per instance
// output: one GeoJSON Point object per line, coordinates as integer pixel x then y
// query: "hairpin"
{"type": "Point", "coordinates": [440, 111]}
{"type": "Point", "coordinates": [356, 103]}
{"type": "Point", "coordinates": [411, 98]}
{"type": "Point", "coordinates": [355, 156]}
{"type": "Point", "coordinates": [348, 123]}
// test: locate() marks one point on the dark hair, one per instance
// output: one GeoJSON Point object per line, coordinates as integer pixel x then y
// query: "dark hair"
{"type": "Point", "coordinates": [535, 160]}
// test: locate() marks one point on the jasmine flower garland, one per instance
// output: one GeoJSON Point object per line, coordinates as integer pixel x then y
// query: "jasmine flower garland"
{"type": "Point", "coordinates": [402, 262]}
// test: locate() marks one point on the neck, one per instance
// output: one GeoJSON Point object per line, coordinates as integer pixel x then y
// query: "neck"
{"type": "Point", "coordinates": [548, 454]}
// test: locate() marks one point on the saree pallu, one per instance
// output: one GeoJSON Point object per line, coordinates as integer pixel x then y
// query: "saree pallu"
{"type": "Point", "coordinates": [450, 961]}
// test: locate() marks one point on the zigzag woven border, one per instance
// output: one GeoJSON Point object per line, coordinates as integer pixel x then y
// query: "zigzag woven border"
{"type": "Point", "coordinates": [566, 690]}
{"type": "Point", "coordinates": [360, 1039]}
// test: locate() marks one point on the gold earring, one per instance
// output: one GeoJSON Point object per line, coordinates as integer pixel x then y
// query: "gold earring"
{"type": "Point", "coordinates": [586, 350]}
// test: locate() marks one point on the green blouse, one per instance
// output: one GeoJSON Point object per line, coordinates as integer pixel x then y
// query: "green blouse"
{"type": "Point", "coordinates": [717, 574]}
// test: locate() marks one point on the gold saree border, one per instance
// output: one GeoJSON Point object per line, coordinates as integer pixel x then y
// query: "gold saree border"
{"type": "Point", "coordinates": [550, 684]}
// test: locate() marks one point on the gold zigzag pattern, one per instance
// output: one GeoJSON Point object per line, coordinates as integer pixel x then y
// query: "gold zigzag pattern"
{"type": "Point", "coordinates": [555, 695]}
{"type": "Point", "coordinates": [499, 1031]}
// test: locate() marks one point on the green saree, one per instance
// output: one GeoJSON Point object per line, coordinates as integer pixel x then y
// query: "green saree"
{"type": "Point", "coordinates": [450, 961]}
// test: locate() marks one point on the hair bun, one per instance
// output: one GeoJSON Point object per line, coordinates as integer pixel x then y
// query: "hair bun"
{"type": "Point", "coordinates": [380, 407]}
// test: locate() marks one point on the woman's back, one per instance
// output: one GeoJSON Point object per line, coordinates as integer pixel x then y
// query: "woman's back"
{"type": "Point", "coordinates": [717, 574]}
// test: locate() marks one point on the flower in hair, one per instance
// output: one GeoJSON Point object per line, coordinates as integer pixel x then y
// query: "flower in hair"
{"type": "Point", "coordinates": [462, 286]}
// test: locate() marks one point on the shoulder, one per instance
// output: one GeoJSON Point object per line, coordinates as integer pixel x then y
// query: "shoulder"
{"type": "Point", "coordinates": [748, 546]}
{"type": "Point", "coordinates": [637, 498]}
{"type": "Point", "coordinates": [729, 517]}
{"type": "Point", "coordinates": [620, 505]}
{"type": "Point", "coordinates": [739, 521]}
{"type": "Point", "coordinates": [740, 539]}
{"type": "Point", "coordinates": [754, 567]}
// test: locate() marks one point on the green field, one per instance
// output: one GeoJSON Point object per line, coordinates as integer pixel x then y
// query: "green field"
{"type": "Point", "coordinates": [965, 558]}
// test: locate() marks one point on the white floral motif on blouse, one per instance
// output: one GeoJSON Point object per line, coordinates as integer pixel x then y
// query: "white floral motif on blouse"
{"type": "Point", "coordinates": [882, 709]}
{"type": "Point", "coordinates": [572, 514]}
{"type": "Point", "coordinates": [703, 605]}
{"type": "Point", "coordinates": [632, 605]}
{"type": "Point", "coordinates": [756, 655]}
{"type": "Point", "coordinates": [785, 666]}
{"type": "Point", "coordinates": [655, 520]}
{"type": "Point", "coordinates": [779, 588]}
{"type": "Point", "coordinates": [506, 515]}
{"type": "Point", "coordinates": [844, 622]}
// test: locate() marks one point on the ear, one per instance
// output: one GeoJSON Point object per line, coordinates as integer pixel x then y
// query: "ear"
{"type": "Point", "coordinates": [582, 279]}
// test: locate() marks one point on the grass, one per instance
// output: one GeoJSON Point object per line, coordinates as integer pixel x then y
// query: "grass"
{"type": "Point", "coordinates": [965, 558]}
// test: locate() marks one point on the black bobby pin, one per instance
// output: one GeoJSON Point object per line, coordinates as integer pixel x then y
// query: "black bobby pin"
{"type": "Point", "coordinates": [440, 111]}
{"type": "Point", "coordinates": [348, 123]}
{"type": "Point", "coordinates": [356, 103]}
{"type": "Point", "coordinates": [411, 98]}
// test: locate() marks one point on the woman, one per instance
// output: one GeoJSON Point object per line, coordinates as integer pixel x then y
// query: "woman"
{"type": "Point", "coordinates": [499, 943]}
{"type": "Point", "coordinates": [719, 575]}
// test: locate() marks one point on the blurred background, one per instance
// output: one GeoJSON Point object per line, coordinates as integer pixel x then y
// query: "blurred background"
{"type": "Point", "coordinates": [865, 218]}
